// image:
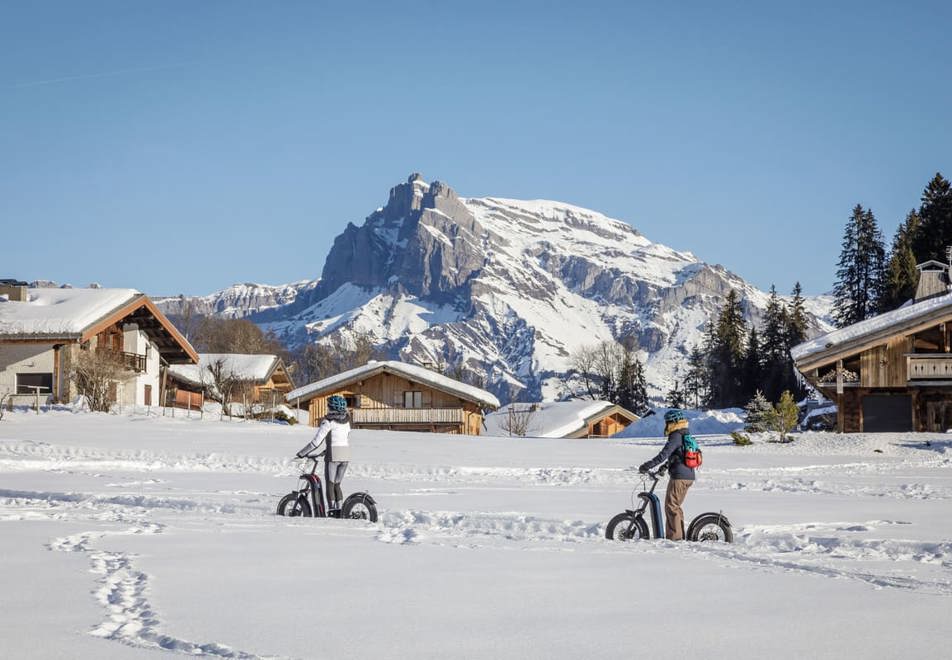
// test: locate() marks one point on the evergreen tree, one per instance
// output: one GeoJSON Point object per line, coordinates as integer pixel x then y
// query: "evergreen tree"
{"type": "Point", "coordinates": [934, 232]}
{"type": "Point", "coordinates": [759, 413]}
{"type": "Point", "coordinates": [695, 383]}
{"type": "Point", "coordinates": [726, 355]}
{"type": "Point", "coordinates": [677, 397]}
{"type": "Point", "coordinates": [632, 388]}
{"type": "Point", "coordinates": [860, 275]}
{"type": "Point", "coordinates": [901, 274]}
{"type": "Point", "coordinates": [775, 347]}
{"type": "Point", "coordinates": [796, 318]}
{"type": "Point", "coordinates": [753, 363]}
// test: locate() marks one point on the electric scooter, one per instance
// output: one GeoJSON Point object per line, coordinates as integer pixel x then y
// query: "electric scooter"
{"type": "Point", "coordinates": [630, 525]}
{"type": "Point", "coordinates": [308, 501]}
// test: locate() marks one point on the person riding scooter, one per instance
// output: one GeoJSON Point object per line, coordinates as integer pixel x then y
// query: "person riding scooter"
{"type": "Point", "coordinates": [681, 477]}
{"type": "Point", "coordinates": [336, 425]}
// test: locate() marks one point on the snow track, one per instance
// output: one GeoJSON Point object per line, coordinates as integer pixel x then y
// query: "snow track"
{"type": "Point", "coordinates": [123, 593]}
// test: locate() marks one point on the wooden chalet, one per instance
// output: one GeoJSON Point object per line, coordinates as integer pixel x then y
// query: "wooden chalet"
{"type": "Point", "coordinates": [892, 372]}
{"type": "Point", "coordinates": [579, 418]}
{"type": "Point", "coordinates": [42, 331]}
{"type": "Point", "coordinates": [262, 379]}
{"type": "Point", "coordinates": [396, 396]}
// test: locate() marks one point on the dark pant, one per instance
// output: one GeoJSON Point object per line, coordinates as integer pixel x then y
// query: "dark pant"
{"type": "Point", "coordinates": [333, 475]}
{"type": "Point", "coordinates": [674, 516]}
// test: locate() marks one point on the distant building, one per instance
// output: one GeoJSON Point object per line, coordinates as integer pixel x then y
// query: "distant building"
{"type": "Point", "coordinates": [892, 372]}
{"type": "Point", "coordinates": [263, 378]}
{"type": "Point", "coordinates": [579, 418]}
{"type": "Point", "coordinates": [397, 396]}
{"type": "Point", "coordinates": [42, 331]}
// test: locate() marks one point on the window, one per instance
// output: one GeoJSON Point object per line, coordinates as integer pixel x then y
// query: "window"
{"type": "Point", "coordinates": [352, 401]}
{"type": "Point", "coordinates": [27, 383]}
{"type": "Point", "coordinates": [413, 399]}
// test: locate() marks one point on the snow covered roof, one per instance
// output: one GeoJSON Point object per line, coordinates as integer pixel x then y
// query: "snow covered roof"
{"type": "Point", "coordinates": [551, 419]}
{"type": "Point", "coordinates": [243, 366]}
{"type": "Point", "coordinates": [411, 372]}
{"type": "Point", "coordinates": [60, 313]}
{"type": "Point", "coordinates": [879, 327]}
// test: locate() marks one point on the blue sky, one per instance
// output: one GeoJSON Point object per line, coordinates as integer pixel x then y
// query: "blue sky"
{"type": "Point", "coordinates": [179, 147]}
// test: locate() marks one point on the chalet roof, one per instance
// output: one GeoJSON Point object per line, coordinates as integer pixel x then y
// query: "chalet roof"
{"type": "Point", "coordinates": [932, 264]}
{"type": "Point", "coordinates": [556, 419]}
{"type": "Point", "coordinates": [79, 314]}
{"type": "Point", "coordinates": [249, 367]}
{"type": "Point", "coordinates": [411, 372]}
{"type": "Point", "coordinates": [836, 344]}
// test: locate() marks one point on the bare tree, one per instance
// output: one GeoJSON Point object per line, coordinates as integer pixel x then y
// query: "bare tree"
{"type": "Point", "coordinates": [3, 402]}
{"type": "Point", "coordinates": [334, 355]}
{"type": "Point", "coordinates": [223, 383]}
{"type": "Point", "coordinates": [598, 366]}
{"type": "Point", "coordinates": [95, 373]}
{"type": "Point", "coordinates": [517, 419]}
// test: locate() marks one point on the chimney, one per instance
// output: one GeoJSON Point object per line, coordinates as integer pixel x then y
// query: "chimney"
{"type": "Point", "coordinates": [933, 280]}
{"type": "Point", "coordinates": [14, 290]}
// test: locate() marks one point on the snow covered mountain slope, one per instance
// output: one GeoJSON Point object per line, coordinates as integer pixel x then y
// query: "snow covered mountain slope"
{"type": "Point", "coordinates": [503, 291]}
{"type": "Point", "coordinates": [236, 301]}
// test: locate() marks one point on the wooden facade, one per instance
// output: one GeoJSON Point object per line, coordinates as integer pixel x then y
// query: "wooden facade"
{"type": "Point", "coordinates": [896, 377]}
{"type": "Point", "coordinates": [267, 391]}
{"type": "Point", "coordinates": [394, 402]}
{"type": "Point", "coordinates": [606, 423]}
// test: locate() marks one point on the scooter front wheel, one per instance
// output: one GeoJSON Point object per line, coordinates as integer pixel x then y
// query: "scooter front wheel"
{"type": "Point", "coordinates": [294, 505]}
{"type": "Point", "coordinates": [711, 527]}
{"type": "Point", "coordinates": [627, 527]}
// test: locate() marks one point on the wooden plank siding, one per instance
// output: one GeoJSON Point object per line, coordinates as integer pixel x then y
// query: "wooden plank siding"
{"type": "Point", "coordinates": [439, 410]}
{"type": "Point", "coordinates": [915, 362]}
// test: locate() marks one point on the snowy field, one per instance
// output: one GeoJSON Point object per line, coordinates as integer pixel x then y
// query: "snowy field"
{"type": "Point", "coordinates": [127, 537]}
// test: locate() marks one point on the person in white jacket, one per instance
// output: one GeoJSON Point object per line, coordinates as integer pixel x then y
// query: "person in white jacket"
{"type": "Point", "coordinates": [332, 438]}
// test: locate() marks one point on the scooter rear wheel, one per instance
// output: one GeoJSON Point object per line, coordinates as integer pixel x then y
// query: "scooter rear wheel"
{"type": "Point", "coordinates": [359, 508]}
{"type": "Point", "coordinates": [294, 505]}
{"type": "Point", "coordinates": [627, 527]}
{"type": "Point", "coordinates": [710, 527]}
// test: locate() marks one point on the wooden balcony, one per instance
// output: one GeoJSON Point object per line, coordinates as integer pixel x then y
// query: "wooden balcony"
{"type": "Point", "coordinates": [407, 415]}
{"type": "Point", "coordinates": [929, 366]}
{"type": "Point", "coordinates": [134, 362]}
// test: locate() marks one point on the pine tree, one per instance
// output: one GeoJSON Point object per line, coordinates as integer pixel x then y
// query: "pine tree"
{"type": "Point", "coordinates": [726, 355]}
{"type": "Point", "coordinates": [676, 397]}
{"type": "Point", "coordinates": [758, 415]}
{"type": "Point", "coordinates": [901, 274]}
{"type": "Point", "coordinates": [753, 363]}
{"type": "Point", "coordinates": [632, 388]}
{"type": "Point", "coordinates": [695, 382]}
{"type": "Point", "coordinates": [934, 232]}
{"type": "Point", "coordinates": [796, 318]}
{"type": "Point", "coordinates": [775, 347]}
{"type": "Point", "coordinates": [859, 290]}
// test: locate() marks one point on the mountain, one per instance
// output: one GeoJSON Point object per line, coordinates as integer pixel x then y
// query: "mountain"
{"type": "Point", "coordinates": [237, 301]}
{"type": "Point", "coordinates": [502, 291]}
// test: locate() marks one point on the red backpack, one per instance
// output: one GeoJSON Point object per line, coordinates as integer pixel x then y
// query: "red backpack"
{"type": "Point", "coordinates": [691, 454]}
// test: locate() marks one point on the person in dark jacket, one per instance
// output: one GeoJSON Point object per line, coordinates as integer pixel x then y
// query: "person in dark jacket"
{"type": "Point", "coordinates": [680, 477]}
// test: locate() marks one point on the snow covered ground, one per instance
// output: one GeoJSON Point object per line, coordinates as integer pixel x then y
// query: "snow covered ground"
{"type": "Point", "coordinates": [125, 537]}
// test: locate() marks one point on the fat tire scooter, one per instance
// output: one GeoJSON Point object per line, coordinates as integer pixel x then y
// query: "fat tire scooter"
{"type": "Point", "coordinates": [309, 502]}
{"type": "Point", "coordinates": [630, 525]}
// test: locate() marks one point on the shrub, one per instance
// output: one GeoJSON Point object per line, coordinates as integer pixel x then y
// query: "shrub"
{"type": "Point", "coordinates": [741, 439]}
{"type": "Point", "coordinates": [784, 416]}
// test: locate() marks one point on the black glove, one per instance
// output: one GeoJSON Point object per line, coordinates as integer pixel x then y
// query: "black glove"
{"type": "Point", "coordinates": [643, 468]}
